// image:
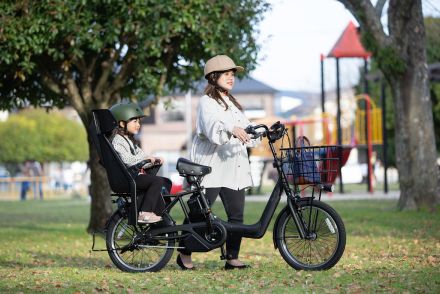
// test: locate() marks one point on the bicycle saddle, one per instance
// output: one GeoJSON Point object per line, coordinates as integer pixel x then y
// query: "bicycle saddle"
{"type": "Point", "coordinates": [189, 168]}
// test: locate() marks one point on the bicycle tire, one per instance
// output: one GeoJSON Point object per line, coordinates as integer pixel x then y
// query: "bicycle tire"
{"type": "Point", "coordinates": [136, 259]}
{"type": "Point", "coordinates": [321, 252]}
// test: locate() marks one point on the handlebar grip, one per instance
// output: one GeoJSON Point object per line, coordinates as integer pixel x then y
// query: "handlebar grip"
{"type": "Point", "coordinates": [147, 165]}
{"type": "Point", "coordinates": [328, 188]}
{"type": "Point", "coordinates": [250, 130]}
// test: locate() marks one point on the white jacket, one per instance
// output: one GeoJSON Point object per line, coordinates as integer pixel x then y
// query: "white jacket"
{"type": "Point", "coordinates": [124, 146]}
{"type": "Point", "coordinates": [214, 145]}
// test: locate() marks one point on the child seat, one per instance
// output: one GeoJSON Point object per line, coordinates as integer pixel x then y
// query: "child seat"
{"type": "Point", "coordinates": [119, 178]}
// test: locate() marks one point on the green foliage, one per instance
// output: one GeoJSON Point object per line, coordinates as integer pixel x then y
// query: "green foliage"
{"type": "Point", "coordinates": [35, 134]}
{"type": "Point", "coordinates": [387, 252]}
{"type": "Point", "coordinates": [91, 54]}
{"type": "Point", "coordinates": [386, 56]}
{"type": "Point", "coordinates": [435, 99]}
{"type": "Point", "coordinates": [432, 29]}
{"type": "Point", "coordinates": [146, 45]}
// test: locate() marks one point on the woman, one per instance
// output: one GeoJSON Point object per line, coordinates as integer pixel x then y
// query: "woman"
{"type": "Point", "coordinates": [221, 142]}
{"type": "Point", "coordinates": [150, 202]}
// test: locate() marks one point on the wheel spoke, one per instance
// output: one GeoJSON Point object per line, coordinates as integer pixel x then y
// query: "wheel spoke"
{"type": "Point", "coordinates": [318, 254]}
{"type": "Point", "coordinates": [292, 237]}
{"type": "Point", "coordinates": [136, 257]}
{"type": "Point", "coordinates": [321, 244]}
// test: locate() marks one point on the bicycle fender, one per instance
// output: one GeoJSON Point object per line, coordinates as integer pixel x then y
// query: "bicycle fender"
{"type": "Point", "coordinates": [107, 223]}
{"type": "Point", "coordinates": [288, 209]}
{"type": "Point", "coordinates": [275, 234]}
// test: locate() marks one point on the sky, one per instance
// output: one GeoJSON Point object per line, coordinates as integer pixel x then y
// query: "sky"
{"type": "Point", "coordinates": [292, 36]}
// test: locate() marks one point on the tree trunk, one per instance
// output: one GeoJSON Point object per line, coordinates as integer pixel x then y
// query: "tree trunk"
{"type": "Point", "coordinates": [100, 209]}
{"type": "Point", "coordinates": [401, 55]}
{"type": "Point", "coordinates": [415, 146]}
{"type": "Point", "coordinates": [414, 126]}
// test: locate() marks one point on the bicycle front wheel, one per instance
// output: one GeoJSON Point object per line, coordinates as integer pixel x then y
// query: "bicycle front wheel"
{"type": "Point", "coordinates": [130, 253]}
{"type": "Point", "coordinates": [325, 241]}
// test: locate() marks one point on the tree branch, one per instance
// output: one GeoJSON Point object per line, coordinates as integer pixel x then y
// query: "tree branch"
{"type": "Point", "coordinates": [86, 80]}
{"type": "Point", "coordinates": [74, 95]}
{"type": "Point", "coordinates": [123, 74]}
{"type": "Point", "coordinates": [51, 84]}
{"type": "Point", "coordinates": [47, 78]}
{"type": "Point", "coordinates": [366, 15]}
{"type": "Point", "coordinates": [379, 7]}
{"type": "Point", "coordinates": [106, 67]}
{"type": "Point", "coordinates": [168, 60]}
{"type": "Point", "coordinates": [398, 14]}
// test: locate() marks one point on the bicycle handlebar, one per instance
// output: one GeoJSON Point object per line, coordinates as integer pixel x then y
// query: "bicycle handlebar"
{"type": "Point", "coordinates": [274, 133]}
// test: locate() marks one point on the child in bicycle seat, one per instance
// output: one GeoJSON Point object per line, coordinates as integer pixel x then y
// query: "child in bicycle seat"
{"type": "Point", "coordinates": [150, 203]}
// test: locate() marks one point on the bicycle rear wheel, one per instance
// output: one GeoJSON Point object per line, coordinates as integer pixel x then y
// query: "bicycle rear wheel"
{"type": "Point", "coordinates": [130, 253]}
{"type": "Point", "coordinates": [325, 242]}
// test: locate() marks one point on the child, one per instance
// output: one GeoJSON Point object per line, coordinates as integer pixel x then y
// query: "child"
{"type": "Point", "coordinates": [150, 204]}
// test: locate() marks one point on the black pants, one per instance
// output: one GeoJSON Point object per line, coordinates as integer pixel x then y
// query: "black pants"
{"type": "Point", "coordinates": [149, 188]}
{"type": "Point", "coordinates": [233, 201]}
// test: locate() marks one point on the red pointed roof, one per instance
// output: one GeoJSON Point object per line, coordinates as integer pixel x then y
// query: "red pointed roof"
{"type": "Point", "coordinates": [349, 44]}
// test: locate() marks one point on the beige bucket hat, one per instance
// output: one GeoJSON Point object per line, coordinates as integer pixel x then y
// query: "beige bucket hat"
{"type": "Point", "coordinates": [220, 63]}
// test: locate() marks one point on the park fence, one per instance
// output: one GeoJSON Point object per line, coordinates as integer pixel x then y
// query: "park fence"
{"type": "Point", "coordinates": [37, 188]}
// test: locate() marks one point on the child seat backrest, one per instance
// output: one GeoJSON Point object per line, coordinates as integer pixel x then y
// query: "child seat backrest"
{"type": "Point", "coordinates": [102, 127]}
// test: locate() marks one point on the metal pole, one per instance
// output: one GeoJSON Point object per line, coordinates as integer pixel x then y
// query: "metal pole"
{"type": "Point", "coordinates": [384, 135]}
{"type": "Point", "coordinates": [322, 85]}
{"type": "Point", "coordinates": [324, 125]}
{"type": "Point", "coordinates": [294, 135]}
{"type": "Point", "coordinates": [366, 90]}
{"type": "Point", "coordinates": [338, 119]}
{"type": "Point", "coordinates": [369, 145]}
{"type": "Point", "coordinates": [188, 121]}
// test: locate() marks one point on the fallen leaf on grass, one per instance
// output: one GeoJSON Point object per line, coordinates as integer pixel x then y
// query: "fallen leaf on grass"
{"type": "Point", "coordinates": [432, 260]}
{"type": "Point", "coordinates": [354, 288]}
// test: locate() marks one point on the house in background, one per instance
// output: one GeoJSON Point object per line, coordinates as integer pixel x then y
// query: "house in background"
{"type": "Point", "coordinates": [291, 104]}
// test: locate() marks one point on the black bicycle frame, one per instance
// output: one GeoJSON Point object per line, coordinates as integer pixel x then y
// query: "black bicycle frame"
{"type": "Point", "coordinates": [253, 231]}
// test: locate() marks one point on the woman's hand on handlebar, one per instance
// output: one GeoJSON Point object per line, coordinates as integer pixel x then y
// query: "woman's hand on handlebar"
{"type": "Point", "coordinates": [155, 160]}
{"type": "Point", "coordinates": [254, 134]}
{"type": "Point", "coordinates": [241, 134]}
{"type": "Point", "coordinates": [158, 161]}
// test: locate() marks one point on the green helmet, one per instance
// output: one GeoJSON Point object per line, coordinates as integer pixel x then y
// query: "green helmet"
{"type": "Point", "coordinates": [126, 111]}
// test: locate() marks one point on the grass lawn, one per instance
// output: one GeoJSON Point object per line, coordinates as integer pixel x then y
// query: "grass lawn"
{"type": "Point", "coordinates": [44, 248]}
{"type": "Point", "coordinates": [348, 188]}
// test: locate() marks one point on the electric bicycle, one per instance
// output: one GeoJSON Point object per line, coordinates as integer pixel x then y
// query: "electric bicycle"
{"type": "Point", "coordinates": [309, 234]}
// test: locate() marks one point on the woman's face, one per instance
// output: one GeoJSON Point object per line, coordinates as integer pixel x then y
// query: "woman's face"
{"type": "Point", "coordinates": [133, 126]}
{"type": "Point", "coordinates": [226, 80]}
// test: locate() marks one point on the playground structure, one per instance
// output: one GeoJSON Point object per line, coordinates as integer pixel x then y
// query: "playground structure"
{"type": "Point", "coordinates": [368, 127]}
{"type": "Point", "coordinates": [363, 129]}
{"type": "Point", "coordinates": [354, 122]}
